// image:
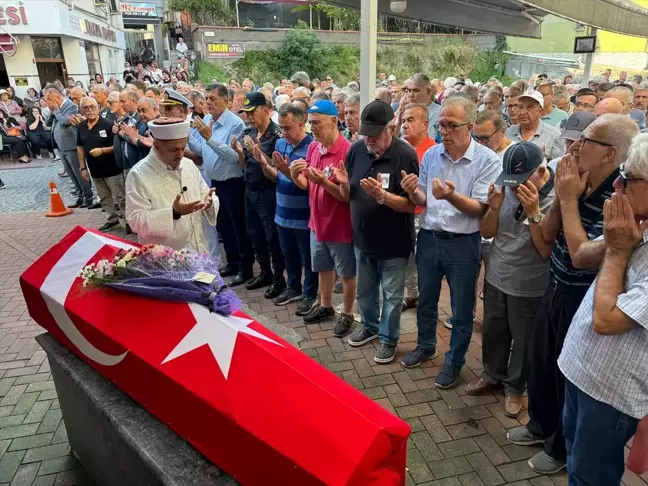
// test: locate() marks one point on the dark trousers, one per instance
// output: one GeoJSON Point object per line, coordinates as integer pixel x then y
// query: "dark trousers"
{"type": "Point", "coordinates": [40, 139]}
{"type": "Point", "coordinates": [546, 383]}
{"type": "Point", "coordinates": [260, 206]}
{"type": "Point", "coordinates": [81, 186]}
{"type": "Point", "coordinates": [16, 146]}
{"type": "Point", "coordinates": [456, 258]}
{"type": "Point", "coordinates": [295, 245]}
{"type": "Point", "coordinates": [231, 224]}
{"type": "Point", "coordinates": [508, 320]}
{"type": "Point", "coordinates": [595, 434]}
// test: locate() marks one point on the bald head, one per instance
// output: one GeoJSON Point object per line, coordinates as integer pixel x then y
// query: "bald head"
{"type": "Point", "coordinates": [608, 106]}
{"type": "Point", "coordinates": [624, 95]}
{"type": "Point", "coordinates": [76, 94]}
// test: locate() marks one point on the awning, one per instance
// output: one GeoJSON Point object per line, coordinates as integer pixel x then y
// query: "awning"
{"type": "Point", "coordinates": [619, 16]}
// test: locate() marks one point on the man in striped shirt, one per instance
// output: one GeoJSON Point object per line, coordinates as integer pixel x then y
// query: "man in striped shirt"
{"type": "Point", "coordinates": [584, 181]}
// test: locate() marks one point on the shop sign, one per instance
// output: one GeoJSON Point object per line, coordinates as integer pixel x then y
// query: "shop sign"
{"type": "Point", "coordinates": [13, 15]}
{"type": "Point", "coordinates": [92, 29]}
{"type": "Point", "coordinates": [138, 9]}
{"type": "Point", "coordinates": [226, 50]}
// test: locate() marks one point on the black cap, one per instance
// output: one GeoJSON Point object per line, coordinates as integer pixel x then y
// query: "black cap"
{"type": "Point", "coordinates": [576, 123]}
{"type": "Point", "coordinates": [254, 100]}
{"type": "Point", "coordinates": [520, 161]}
{"type": "Point", "coordinates": [375, 118]}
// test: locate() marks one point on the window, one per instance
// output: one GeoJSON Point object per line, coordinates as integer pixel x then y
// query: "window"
{"type": "Point", "coordinates": [92, 55]}
{"type": "Point", "coordinates": [47, 48]}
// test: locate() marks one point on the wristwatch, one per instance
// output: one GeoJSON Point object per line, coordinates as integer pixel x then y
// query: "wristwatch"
{"type": "Point", "coordinates": [536, 218]}
{"type": "Point", "coordinates": [382, 198]}
{"type": "Point", "coordinates": [82, 169]}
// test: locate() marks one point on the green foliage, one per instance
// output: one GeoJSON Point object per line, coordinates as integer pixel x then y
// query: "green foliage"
{"type": "Point", "coordinates": [208, 70]}
{"type": "Point", "coordinates": [489, 64]}
{"type": "Point", "coordinates": [342, 18]}
{"type": "Point", "coordinates": [301, 25]}
{"type": "Point", "coordinates": [206, 12]}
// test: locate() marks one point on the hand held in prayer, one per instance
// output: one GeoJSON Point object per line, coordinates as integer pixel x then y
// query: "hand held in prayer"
{"type": "Point", "coordinates": [528, 196]}
{"type": "Point", "coordinates": [440, 191]}
{"type": "Point", "coordinates": [297, 167]}
{"type": "Point", "coordinates": [249, 143]}
{"type": "Point", "coordinates": [96, 152]}
{"type": "Point", "coordinates": [281, 163]}
{"type": "Point", "coordinates": [621, 230]}
{"type": "Point", "coordinates": [146, 140]}
{"type": "Point", "coordinates": [409, 182]}
{"type": "Point", "coordinates": [236, 145]}
{"type": "Point", "coordinates": [209, 198]}
{"type": "Point", "coordinates": [258, 155]}
{"type": "Point", "coordinates": [184, 208]}
{"type": "Point", "coordinates": [495, 197]}
{"type": "Point", "coordinates": [341, 175]}
{"type": "Point", "coordinates": [372, 186]}
{"type": "Point", "coordinates": [315, 176]}
{"type": "Point", "coordinates": [204, 129]}
{"type": "Point", "coordinates": [115, 128]}
{"type": "Point", "coordinates": [570, 184]}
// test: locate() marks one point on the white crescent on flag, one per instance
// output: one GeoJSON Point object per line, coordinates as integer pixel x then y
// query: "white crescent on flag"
{"type": "Point", "coordinates": [58, 283]}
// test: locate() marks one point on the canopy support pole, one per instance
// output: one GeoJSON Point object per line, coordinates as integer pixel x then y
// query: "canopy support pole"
{"type": "Point", "coordinates": [368, 50]}
{"type": "Point", "coordinates": [588, 62]}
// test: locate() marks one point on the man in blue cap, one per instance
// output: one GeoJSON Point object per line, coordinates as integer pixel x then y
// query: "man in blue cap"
{"type": "Point", "coordinates": [259, 141]}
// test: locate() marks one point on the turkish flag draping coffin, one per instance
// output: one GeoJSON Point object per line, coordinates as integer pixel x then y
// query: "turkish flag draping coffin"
{"type": "Point", "coordinates": [253, 404]}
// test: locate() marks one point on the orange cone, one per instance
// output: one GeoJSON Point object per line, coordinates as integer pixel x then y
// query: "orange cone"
{"type": "Point", "coordinates": [57, 206]}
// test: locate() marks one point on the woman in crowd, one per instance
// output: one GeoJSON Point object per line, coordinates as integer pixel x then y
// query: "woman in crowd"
{"type": "Point", "coordinates": [79, 84]}
{"type": "Point", "coordinates": [32, 95]}
{"type": "Point", "coordinates": [98, 78]}
{"type": "Point", "coordinates": [12, 138]}
{"type": "Point", "coordinates": [11, 107]}
{"type": "Point", "coordinates": [38, 133]}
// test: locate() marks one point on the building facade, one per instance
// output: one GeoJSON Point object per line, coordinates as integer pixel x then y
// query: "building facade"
{"type": "Point", "coordinates": [55, 39]}
{"type": "Point", "coordinates": [143, 25]}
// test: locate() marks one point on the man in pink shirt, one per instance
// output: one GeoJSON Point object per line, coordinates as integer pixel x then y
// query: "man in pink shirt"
{"type": "Point", "coordinates": [330, 221]}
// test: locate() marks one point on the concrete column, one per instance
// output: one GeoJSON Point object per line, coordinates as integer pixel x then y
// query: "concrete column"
{"type": "Point", "coordinates": [22, 65]}
{"type": "Point", "coordinates": [588, 62]}
{"type": "Point", "coordinates": [76, 62]}
{"type": "Point", "coordinates": [158, 43]}
{"type": "Point", "coordinates": [368, 50]}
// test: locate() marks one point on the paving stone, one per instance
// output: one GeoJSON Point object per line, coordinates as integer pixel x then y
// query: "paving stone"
{"type": "Point", "coordinates": [415, 423]}
{"type": "Point", "coordinates": [460, 447]}
{"type": "Point", "coordinates": [13, 395]}
{"type": "Point", "coordinates": [6, 410]}
{"type": "Point", "coordinates": [426, 446]}
{"type": "Point", "coordinates": [450, 467]}
{"type": "Point", "coordinates": [493, 451]}
{"type": "Point", "coordinates": [61, 434]}
{"type": "Point", "coordinates": [59, 464]}
{"type": "Point", "coordinates": [516, 471]}
{"type": "Point", "coordinates": [471, 479]}
{"type": "Point", "coordinates": [496, 430]}
{"type": "Point", "coordinates": [363, 368]}
{"type": "Point", "coordinates": [443, 482]}
{"type": "Point", "coordinates": [16, 372]}
{"type": "Point", "coordinates": [12, 420]}
{"type": "Point", "coordinates": [541, 481]}
{"type": "Point", "coordinates": [418, 468]}
{"type": "Point", "coordinates": [47, 395]}
{"type": "Point", "coordinates": [25, 475]}
{"type": "Point", "coordinates": [41, 386]}
{"type": "Point", "coordinates": [435, 428]}
{"type": "Point", "coordinates": [380, 380]}
{"type": "Point", "coordinates": [36, 378]}
{"type": "Point", "coordinates": [50, 422]}
{"type": "Point", "coordinates": [374, 393]}
{"type": "Point", "coordinates": [9, 464]}
{"type": "Point", "coordinates": [77, 477]}
{"type": "Point", "coordinates": [38, 411]}
{"type": "Point", "coordinates": [25, 403]}
{"type": "Point", "coordinates": [421, 396]}
{"type": "Point", "coordinates": [484, 469]}
{"type": "Point", "coordinates": [4, 444]}
{"type": "Point", "coordinates": [45, 480]}
{"type": "Point", "coordinates": [46, 452]}
{"type": "Point", "coordinates": [30, 442]}
{"type": "Point", "coordinates": [414, 410]}
{"type": "Point", "coordinates": [5, 385]}
{"type": "Point", "coordinates": [18, 431]}
{"type": "Point", "coordinates": [468, 429]}
{"type": "Point", "coordinates": [517, 453]}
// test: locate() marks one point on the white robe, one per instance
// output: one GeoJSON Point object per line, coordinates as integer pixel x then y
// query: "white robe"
{"type": "Point", "coordinates": [151, 188]}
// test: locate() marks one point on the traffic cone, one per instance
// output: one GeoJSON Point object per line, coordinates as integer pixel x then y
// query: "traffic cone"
{"type": "Point", "coordinates": [57, 206]}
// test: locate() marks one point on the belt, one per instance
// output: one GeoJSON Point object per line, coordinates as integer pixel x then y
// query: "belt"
{"type": "Point", "coordinates": [446, 235]}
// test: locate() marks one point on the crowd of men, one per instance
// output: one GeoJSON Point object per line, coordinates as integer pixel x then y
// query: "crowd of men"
{"type": "Point", "coordinates": [428, 182]}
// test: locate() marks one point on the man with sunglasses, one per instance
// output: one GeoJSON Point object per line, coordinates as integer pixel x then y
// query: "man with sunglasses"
{"type": "Point", "coordinates": [453, 187]}
{"type": "Point", "coordinates": [606, 349]}
{"type": "Point", "coordinates": [584, 181]}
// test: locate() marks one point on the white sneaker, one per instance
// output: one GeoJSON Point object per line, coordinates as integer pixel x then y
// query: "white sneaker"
{"type": "Point", "coordinates": [39, 157]}
{"type": "Point", "coordinates": [448, 324]}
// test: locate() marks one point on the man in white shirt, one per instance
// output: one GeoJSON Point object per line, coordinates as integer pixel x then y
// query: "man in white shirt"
{"type": "Point", "coordinates": [166, 196]}
{"type": "Point", "coordinates": [181, 47]}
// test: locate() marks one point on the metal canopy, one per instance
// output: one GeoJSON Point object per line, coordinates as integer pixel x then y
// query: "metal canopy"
{"type": "Point", "coordinates": [509, 17]}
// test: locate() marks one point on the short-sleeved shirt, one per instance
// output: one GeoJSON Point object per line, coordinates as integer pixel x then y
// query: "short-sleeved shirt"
{"type": "Point", "coordinates": [556, 118]}
{"type": "Point", "coordinates": [379, 231]}
{"type": "Point", "coordinates": [330, 219]}
{"type": "Point", "coordinates": [515, 266]}
{"type": "Point", "coordinates": [563, 272]}
{"type": "Point", "coordinates": [613, 369]}
{"type": "Point", "coordinates": [546, 137]}
{"type": "Point", "coordinates": [471, 174]}
{"type": "Point", "coordinates": [254, 176]}
{"type": "Point", "coordinates": [293, 209]}
{"type": "Point", "coordinates": [99, 136]}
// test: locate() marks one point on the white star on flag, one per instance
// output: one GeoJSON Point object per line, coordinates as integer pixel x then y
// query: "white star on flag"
{"type": "Point", "coordinates": [218, 332]}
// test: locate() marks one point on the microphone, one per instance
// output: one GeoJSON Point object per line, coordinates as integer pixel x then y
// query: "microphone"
{"type": "Point", "coordinates": [184, 189]}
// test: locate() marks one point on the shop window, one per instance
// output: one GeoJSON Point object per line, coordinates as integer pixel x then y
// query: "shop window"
{"type": "Point", "coordinates": [92, 55]}
{"type": "Point", "coordinates": [47, 48]}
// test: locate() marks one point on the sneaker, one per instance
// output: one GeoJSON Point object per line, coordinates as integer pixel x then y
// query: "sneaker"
{"type": "Point", "coordinates": [318, 314]}
{"type": "Point", "coordinates": [287, 296]}
{"type": "Point", "coordinates": [542, 463]}
{"type": "Point", "coordinates": [2, 185]}
{"type": "Point", "coordinates": [108, 226]}
{"type": "Point", "coordinates": [409, 304]}
{"type": "Point", "coordinates": [343, 325]}
{"type": "Point", "coordinates": [447, 377]}
{"type": "Point", "coordinates": [39, 157]}
{"type": "Point", "coordinates": [385, 354]}
{"type": "Point", "coordinates": [416, 357]}
{"type": "Point", "coordinates": [448, 322]}
{"type": "Point", "coordinates": [305, 305]}
{"type": "Point", "coordinates": [522, 437]}
{"type": "Point", "coordinates": [361, 336]}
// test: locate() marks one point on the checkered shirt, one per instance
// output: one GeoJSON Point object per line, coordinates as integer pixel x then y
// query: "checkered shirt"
{"type": "Point", "coordinates": [613, 369]}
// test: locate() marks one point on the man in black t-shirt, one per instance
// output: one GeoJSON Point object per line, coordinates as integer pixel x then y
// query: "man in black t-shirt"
{"type": "Point", "coordinates": [383, 225]}
{"type": "Point", "coordinates": [96, 159]}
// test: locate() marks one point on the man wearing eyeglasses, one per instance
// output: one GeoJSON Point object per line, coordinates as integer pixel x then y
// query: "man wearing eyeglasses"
{"type": "Point", "coordinates": [606, 349]}
{"type": "Point", "coordinates": [453, 187]}
{"type": "Point", "coordinates": [584, 181]}
{"type": "Point", "coordinates": [532, 129]}
{"type": "Point", "coordinates": [585, 100]}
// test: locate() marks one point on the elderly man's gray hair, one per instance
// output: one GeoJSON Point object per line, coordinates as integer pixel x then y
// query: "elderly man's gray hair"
{"type": "Point", "coordinates": [643, 86]}
{"type": "Point", "coordinates": [301, 78]}
{"type": "Point", "coordinates": [150, 101]}
{"type": "Point", "coordinates": [469, 108]}
{"type": "Point", "coordinates": [301, 92]}
{"type": "Point", "coordinates": [637, 161]}
{"type": "Point", "coordinates": [87, 100]}
{"type": "Point", "coordinates": [615, 129]}
{"type": "Point", "coordinates": [354, 99]}
{"type": "Point", "coordinates": [104, 89]}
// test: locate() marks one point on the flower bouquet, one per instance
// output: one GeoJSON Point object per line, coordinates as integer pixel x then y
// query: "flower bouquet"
{"type": "Point", "coordinates": [163, 273]}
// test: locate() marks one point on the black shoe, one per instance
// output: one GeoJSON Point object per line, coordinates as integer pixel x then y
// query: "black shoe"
{"type": "Point", "coordinates": [129, 231]}
{"type": "Point", "coordinates": [275, 290]}
{"type": "Point", "coordinates": [77, 204]}
{"type": "Point", "coordinates": [2, 185]}
{"type": "Point", "coordinates": [108, 226]}
{"type": "Point", "coordinates": [87, 205]}
{"type": "Point", "coordinates": [262, 280]}
{"type": "Point", "coordinates": [95, 206]}
{"type": "Point", "coordinates": [306, 304]}
{"type": "Point", "coordinates": [318, 314]}
{"type": "Point", "coordinates": [343, 325]}
{"type": "Point", "coordinates": [287, 296]}
{"type": "Point", "coordinates": [227, 270]}
{"type": "Point", "coordinates": [240, 279]}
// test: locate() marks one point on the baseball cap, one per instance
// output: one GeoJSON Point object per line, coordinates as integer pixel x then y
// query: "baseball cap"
{"type": "Point", "coordinates": [253, 100]}
{"type": "Point", "coordinates": [375, 118]}
{"type": "Point", "coordinates": [391, 78]}
{"type": "Point", "coordinates": [576, 123]}
{"type": "Point", "coordinates": [520, 161]}
{"type": "Point", "coordinates": [324, 107]}
{"type": "Point", "coordinates": [534, 95]}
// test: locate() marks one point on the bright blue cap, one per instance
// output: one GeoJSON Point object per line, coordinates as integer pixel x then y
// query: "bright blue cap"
{"type": "Point", "coordinates": [324, 107]}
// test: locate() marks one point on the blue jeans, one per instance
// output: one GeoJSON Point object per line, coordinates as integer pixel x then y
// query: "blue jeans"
{"type": "Point", "coordinates": [295, 245]}
{"type": "Point", "coordinates": [390, 275]}
{"type": "Point", "coordinates": [457, 259]}
{"type": "Point", "coordinates": [595, 435]}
